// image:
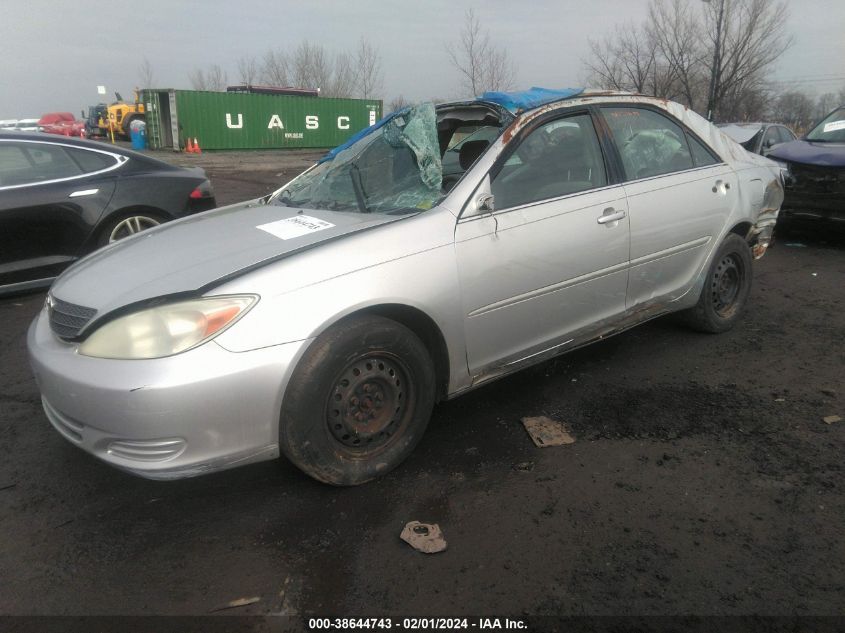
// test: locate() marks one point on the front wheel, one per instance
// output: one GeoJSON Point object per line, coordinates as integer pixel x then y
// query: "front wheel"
{"type": "Point", "coordinates": [726, 288]}
{"type": "Point", "coordinates": [358, 402]}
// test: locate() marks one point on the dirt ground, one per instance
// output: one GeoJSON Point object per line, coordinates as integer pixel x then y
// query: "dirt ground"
{"type": "Point", "coordinates": [238, 176]}
{"type": "Point", "coordinates": [703, 481]}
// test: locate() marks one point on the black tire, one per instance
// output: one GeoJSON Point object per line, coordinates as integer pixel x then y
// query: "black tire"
{"type": "Point", "coordinates": [358, 402]}
{"type": "Point", "coordinates": [726, 288]}
{"type": "Point", "coordinates": [143, 219]}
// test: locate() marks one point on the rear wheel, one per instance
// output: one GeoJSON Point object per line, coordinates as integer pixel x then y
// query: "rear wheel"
{"type": "Point", "coordinates": [358, 402]}
{"type": "Point", "coordinates": [126, 225]}
{"type": "Point", "coordinates": [726, 288]}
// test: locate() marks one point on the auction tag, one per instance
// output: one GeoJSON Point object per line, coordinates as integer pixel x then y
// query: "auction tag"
{"type": "Point", "coordinates": [834, 125]}
{"type": "Point", "coordinates": [296, 226]}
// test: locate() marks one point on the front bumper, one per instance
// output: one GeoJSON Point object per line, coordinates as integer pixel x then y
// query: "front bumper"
{"type": "Point", "coordinates": [201, 411]}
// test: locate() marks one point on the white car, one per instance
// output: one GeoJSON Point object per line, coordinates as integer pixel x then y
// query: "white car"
{"type": "Point", "coordinates": [27, 125]}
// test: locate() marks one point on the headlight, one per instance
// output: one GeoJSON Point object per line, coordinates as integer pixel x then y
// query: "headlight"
{"type": "Point", "coordinates": [166, 330]}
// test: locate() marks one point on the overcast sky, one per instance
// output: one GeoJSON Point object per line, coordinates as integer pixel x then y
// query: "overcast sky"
{"type": "Point", "coordinates": [54, 53]}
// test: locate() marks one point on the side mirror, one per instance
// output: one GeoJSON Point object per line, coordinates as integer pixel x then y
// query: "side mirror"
{"type": "Point", "coordinates": [485, 203]}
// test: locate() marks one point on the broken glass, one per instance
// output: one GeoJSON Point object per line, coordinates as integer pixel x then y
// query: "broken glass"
{"type": "Point", "coordinates": [394, 169]}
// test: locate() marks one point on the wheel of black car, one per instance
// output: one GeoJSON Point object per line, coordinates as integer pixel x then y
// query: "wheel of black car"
{"type": "Point", "coordinates": [358, 402]}
{"type": "Point", "coordinates": [726, 288]}
{"type": "Point", "coordinates": [128, 224]}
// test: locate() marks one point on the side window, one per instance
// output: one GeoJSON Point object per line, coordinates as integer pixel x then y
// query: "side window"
{"type": "Point", "coordinates": [785, 135]}
{"type": "Point", "coordinates": [15, 169]}
{"type": "Point", "coordinates": [556, 159]}
{"type": "Point", "coordinates": [700, 154]}
{"type": "Point", "coordinates": [462, 137]}
{"type": "Point", "coordinates": [89, 161]}
{"type": "Point", "coordinates": [771, 138]}
{"type": "Point", "coordinates": [50, 162]}
{"type": "Point", "coordinates": [649, 143]}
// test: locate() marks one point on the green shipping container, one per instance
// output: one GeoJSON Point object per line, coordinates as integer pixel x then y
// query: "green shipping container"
{"type": "Point", "coordinates": [228, 120]}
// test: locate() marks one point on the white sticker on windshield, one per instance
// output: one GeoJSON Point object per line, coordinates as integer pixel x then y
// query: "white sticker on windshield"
{"type": "Point", "coordinates": [296, 226]}
{"type": "Point", "coordinates": [834, 125]}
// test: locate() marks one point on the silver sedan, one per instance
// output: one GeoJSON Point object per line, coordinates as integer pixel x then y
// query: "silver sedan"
{"type": "Point", "coordinates": [326, 320]}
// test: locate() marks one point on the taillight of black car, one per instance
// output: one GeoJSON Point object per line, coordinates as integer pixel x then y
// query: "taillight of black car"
{"type": "Point", "coordinates": [202, 197]}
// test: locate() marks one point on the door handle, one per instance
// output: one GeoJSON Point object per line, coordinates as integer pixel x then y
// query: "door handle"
{"type": "Point", "coordinates": [610, 215]}
{"type": "Point", "coordinates": [721, 186]}
{"type": "Point", "coordinates": [84, 192]}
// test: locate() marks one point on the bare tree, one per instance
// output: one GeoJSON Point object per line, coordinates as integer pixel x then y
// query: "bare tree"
{"type": "Point", "coordinates": [197, 79]}
{"type": "Point", "coordinates": [675, 31]}
{"type": "Point", "coordinates": [369, 78]}
{"type": "Point", "coordinates": [826, 103]}
{"type": "Point", "coordinates": [481, 64]}
{"type": "Point", "coordinates": [310, 68]}
{"type": "Point", "coordinates": [145, 74]}
{"type": "Point", "coordinates": [795, 109]}
{"type": "Point", "coordinates": [752, 37]}
{"type": "Point", "coordinates": [397, 103]}
{"type": "Point", "coordinates": [274, 68]}
{"type": "Point", "coordinates": [217, 78]}
{"type": "Point", "coordinates": [675, 53]}
{"type": "Point", "coordinates": [248, 70]}
{"type": "Point", "coordinates": [624, 61]}
{"type": "Point", "coordinates": [213, 79]}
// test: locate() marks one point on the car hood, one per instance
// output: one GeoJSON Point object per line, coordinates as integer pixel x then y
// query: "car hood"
{"type": "Point", "coordinates": [811, 153]}
{"type": "Point", "coordinates": [194, 254]}
{"type": "Point", "coordinates": [741, 133]}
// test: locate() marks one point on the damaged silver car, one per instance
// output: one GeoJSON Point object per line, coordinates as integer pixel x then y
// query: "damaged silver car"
{"type": "Point", "coordinates": [324, 322]}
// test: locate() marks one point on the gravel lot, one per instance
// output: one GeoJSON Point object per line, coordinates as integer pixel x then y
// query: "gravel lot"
{"type": "Point", "coordinates": [703, 480]}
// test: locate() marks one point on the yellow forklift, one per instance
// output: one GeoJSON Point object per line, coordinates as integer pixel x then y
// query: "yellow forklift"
{"type": "Point", "coordinates": [115, 120]}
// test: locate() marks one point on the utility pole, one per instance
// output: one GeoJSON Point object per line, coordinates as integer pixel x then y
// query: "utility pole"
{"type": "Point", "coordinates": [717, 60]}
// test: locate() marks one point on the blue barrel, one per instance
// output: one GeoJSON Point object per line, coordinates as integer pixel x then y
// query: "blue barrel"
{"type": "Point", "coordinates": [138, 134]}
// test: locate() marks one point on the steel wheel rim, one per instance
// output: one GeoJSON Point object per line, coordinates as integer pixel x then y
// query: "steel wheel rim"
{"type": "Point", "coordinates": [131, 225]}
{"type": "Point", "coordinates": [726, 284]}
{"type": "Point", "coordinates": [368, 402]}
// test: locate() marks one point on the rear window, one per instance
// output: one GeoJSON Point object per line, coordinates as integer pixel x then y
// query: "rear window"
{"type": "Point", "coordinates": [700, 154]}
{"type": "Point", "coordinates": [90, 161]}
{"type": "Point", "coordinates": [649, 143]}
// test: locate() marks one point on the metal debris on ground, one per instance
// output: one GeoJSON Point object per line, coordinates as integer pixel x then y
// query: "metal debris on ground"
{"type": "Point", "coordinates": [240, 602]}
{"type": "Point", "coordinates": [524, 466]}
{"type": "Point", "coordinates": [547, 432]}
{"type": "Point", "coordinates": [424, 537]}
{"type": "Point", "coordinates": [830, 419]}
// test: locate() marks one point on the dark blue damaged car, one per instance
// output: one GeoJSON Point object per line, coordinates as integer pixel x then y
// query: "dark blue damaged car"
{"type": "Point", "coordinates": [815, 172]}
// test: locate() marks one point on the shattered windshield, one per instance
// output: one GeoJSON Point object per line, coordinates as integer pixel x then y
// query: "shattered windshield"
{"type": "Point", "coordinates": [394, 169]}
{"type": "Point", "coordinates": [831, 130]}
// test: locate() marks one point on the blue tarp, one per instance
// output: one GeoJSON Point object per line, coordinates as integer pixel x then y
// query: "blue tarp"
{"type": "Point", "coordinates": [361, 134]}
{"type": "Point", "coordinates": [527, 99]}
{"type": "Point", "coordinates": [513, 101]}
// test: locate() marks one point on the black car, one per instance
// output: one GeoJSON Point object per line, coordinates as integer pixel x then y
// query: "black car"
{"type": "Point", "coordinates": [815, 171]}
{"type": "Point", "coordinates": [758, 138]}
{"type": "Point", "coordinates": [62, 198]}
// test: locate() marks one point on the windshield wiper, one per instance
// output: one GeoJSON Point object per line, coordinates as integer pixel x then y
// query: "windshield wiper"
{"type": "Point", "coordinates": [355, 174]}
{"type": "Point", "coordinates": [281, 199]}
